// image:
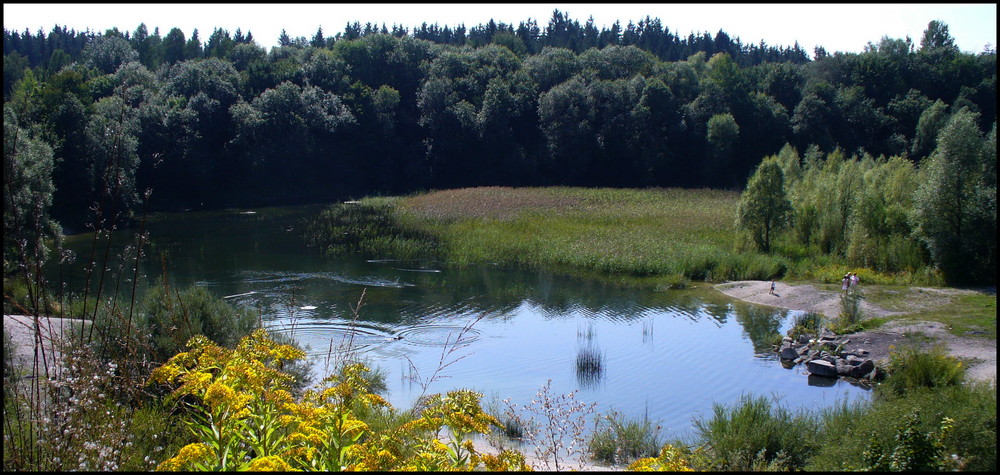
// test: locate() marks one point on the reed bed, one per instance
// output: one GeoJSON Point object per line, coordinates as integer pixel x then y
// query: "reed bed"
{"type": "Point", "coordinates": [672, 235]}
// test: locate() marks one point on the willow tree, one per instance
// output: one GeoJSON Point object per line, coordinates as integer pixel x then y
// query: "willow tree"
{"type": "Point", "coordinates": [764, 208]}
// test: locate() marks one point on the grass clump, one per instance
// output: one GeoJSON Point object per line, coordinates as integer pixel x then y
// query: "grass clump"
{"type": "Point", "coordinates": [924, 416]}
{"type": "Point", "coordinates": [621, 440]}
{"type": "Point", "coordinates": [589, 366]}
{"type": "Point", "coordinates": [808, 323]}
{"type": "Point", "coordinates": [24, 298]}
{"type": "Point", "coordinates": [914, 451]}
{"type": "Point", "coordinates": [756, 435]}
{"type": "Point", "coordinates": [912, 367]}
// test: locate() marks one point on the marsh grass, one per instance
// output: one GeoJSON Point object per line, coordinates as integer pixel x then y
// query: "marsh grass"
{"type": "Point", "coordinates": [370, 228]}
{"type": "Point", "coordinates": [657, 237]}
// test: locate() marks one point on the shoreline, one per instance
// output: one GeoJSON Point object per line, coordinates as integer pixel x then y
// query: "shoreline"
{"type": "Point", "coordinates": [980, 354]}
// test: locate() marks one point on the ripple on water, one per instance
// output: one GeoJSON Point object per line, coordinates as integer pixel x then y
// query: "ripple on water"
{"type": "Point", "coordinates": [437, 335]}
{"type": "Point", "coordinates": [253, 277]}
{"type": "Point", "coordinates": [323, 336]}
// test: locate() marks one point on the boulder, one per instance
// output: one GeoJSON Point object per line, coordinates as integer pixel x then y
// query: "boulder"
{"type": "Point", "coordinates": [862, 370]}
{"type": "Point", "coordinates": [816, 355]}
{"type": "Point", "coordinates": [844, 368]}
{"type": "Point", "coordinates": [822, 368]}
{"type": "Point", "coordinates": [788, 353]}
{"type": "Point", "coordinates": [855, 360]}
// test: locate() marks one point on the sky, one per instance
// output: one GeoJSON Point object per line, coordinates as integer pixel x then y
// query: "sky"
{"type": "Point", "coordinates": [835, 27]}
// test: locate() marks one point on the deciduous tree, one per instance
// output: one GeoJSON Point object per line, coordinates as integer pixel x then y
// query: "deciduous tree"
{"type": "Point", "coordinates": [764, 208]}
{"type": "Point", "coordinates": [954, 206]}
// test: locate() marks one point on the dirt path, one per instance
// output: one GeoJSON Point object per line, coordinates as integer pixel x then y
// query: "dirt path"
{"type": "Point", "coordinates": [20, 329]}
{"type": "Point", "coordinates": [981, 354]}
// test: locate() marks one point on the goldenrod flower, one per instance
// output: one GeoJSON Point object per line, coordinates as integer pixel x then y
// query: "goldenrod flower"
{"type": "Point", "coordinates": [271, 463]}
{"type": "Point", "coordinates": [188, 455]}
{"type": "Point", "coordinates": [219, 396]}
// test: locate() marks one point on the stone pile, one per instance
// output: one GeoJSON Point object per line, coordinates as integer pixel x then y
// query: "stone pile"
{"type": "Point", "coordinates": [824, 355]}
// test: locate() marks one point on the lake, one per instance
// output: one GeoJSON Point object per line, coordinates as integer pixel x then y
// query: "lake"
{"type": "Point", "coordinates": [668, 355]}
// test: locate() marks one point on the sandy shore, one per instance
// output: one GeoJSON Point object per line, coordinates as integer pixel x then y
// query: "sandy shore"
{"type": "Point", "coordinates": [981, 354]}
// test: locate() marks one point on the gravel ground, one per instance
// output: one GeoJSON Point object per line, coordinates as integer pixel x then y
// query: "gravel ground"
{"type": "Point", "coordinates": [979, 353]}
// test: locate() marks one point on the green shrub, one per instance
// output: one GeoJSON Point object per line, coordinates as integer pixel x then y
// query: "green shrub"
{"type": "Point", "coordinates": [970, 443]}
{"type": "Point", "coordinates": [913, 451]}
{"type": "Point", "coordinates": [620, 440]}
{"type": "Point", "coordinates": [911, 367]}
{"type": "Point", "coordinates": [756, 434]}
{"type": "Point", "coordinates": [9, 368]}
{"type": "Point", "coordinates": [170, 318]}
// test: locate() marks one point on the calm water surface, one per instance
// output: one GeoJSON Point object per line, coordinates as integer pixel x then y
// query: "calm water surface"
{"type": "Point", "coordinates": [670, 355]}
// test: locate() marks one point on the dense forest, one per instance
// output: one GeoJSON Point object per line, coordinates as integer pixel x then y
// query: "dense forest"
{"type": "Point", "coordinates": [225, 122]}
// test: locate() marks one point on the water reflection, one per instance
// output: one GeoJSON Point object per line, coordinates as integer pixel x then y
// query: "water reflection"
{"type": "Point", "coordinates": [822, 381]}
{"type": "Point", "coordinates": [589, 358]}
{"type": "Point", "coordinates": [761, 325]}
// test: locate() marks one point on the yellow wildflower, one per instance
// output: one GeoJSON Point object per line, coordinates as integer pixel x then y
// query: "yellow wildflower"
{"type": "Point", "coordinates": [188, 455]}
{"type": "Point", "coordinates": [670, 460]}
{"type": "Point", "coordinates": [164, 374]}
{"type": "Point", "coordinates": [271, 463]}
{"type": "Point", "coordinates": [219, 396]}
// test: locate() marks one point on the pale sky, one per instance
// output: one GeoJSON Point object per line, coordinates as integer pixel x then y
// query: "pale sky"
{"type": "Point", "coordinates": [836, 27]}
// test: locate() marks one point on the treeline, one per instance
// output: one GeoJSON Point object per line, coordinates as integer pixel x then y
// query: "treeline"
{"type": "Point", "coordinates": [561, 31]}
{"type": "Point", "coordinates": [229, 123]}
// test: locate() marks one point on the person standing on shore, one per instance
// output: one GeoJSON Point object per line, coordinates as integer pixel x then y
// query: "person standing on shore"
{"type": "Point", "coordinates": [772, 287]}
{"type": "Point", "coordinates": [845, 282]}
{"type": "Point", "coordinates": [855, 281]}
